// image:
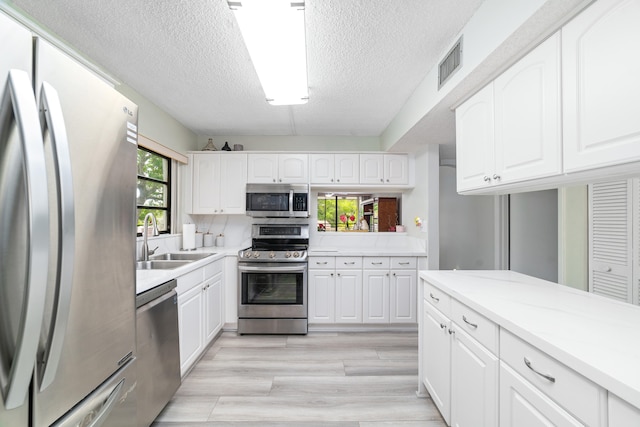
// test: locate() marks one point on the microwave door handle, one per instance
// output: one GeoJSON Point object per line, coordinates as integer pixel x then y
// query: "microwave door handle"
{"type": "Point", "coordinates": [291, 201]}
{"type": "Point", "coordinates": [51, 117]}
{"type": "Point", "coordinates": [18, 100]}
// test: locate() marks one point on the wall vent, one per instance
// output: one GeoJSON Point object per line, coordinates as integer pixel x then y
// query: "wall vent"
{"type": "Point", "coordinates": [450, 64]}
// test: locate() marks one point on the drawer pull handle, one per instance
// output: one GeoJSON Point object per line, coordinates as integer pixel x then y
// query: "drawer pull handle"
{"type": "Point", "coordinates": [545, 376]}
{"type": "Point", "coordinates": [404, 263]}
{"type": "Point", "coordinates": [349, 263]}
{"type": "Point", "coordinates": [452, 332]}
{"type": "Point", "coordinates": [434, 298]}
{"type": "Point", "coordinates": [321, 263]}
{"type": "Point", "coordinates": [442, 326]}
{"type": "Point", "coordinates": [376, 263]}
{"type": "Point", "coordinates": [473, 325]}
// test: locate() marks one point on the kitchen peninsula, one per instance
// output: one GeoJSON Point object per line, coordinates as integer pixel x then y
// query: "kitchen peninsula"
{"type": "Point", "coordinates": [546, 349]}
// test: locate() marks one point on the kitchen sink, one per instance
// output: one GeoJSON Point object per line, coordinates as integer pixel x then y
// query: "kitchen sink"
{"type": "Point", "coordinates": [180, 256]}
{"type": "Point", "coordinates": [161, 264]}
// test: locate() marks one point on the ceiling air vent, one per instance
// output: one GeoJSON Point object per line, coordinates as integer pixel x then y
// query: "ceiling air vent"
{"type": "Point", "coordinates": [450, 64]}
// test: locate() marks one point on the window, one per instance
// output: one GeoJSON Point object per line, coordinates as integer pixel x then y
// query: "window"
{"type": "Point", "coordinates": [362, 212]}
{"type": "Point", "coordinates": [154, 189]}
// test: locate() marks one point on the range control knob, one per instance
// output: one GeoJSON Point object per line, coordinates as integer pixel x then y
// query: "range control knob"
{"type": "Point", "coordinates": [247, 254]}
{"type": "Point", "coordinates": [256, 254]}
{"type": "Point", "coordinates": [296, 254]}
{"type": "Point", "coordinates": [272, 254]}
{"type": "Point", "coordinates": [287, 254]}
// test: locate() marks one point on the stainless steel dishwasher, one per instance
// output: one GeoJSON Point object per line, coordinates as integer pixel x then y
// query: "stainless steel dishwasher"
{"type": "Point", "coordinates": [158, 350]}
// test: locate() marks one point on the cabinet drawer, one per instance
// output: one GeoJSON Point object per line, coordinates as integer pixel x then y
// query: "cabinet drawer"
{"type": "Point", "coordinates": [476, 325]}
{"type": "Point", "coordinates": [376, 262]}
{"type": "Point", "coordinates": [349, 262]}
{"type": "Point", "coordinates": [189, 280]}
{"type": "Point", "coordinates": [322, 262]}
{"type": "Point", "coordinates": [437, 298]}
{"type": "Point", "coordinates": [579, 396]}
{"type": "Point", "coordinates": [212, 269]}
{"type": "Point", "coordinates": [398, 263]}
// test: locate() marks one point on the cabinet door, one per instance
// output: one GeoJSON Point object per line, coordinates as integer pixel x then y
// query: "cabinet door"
{"type": "Point", "coordinates": [190, 322]}
{"type": "Point", "coordinates": [371, 169]}
{"type": "Point", "coordinates": [212, 300]}
{"type": "Point", "coordinates": [233, 182]}
{"type": "Point", "coordinates": [474, 141]}
{"type": "Point", "coordinates": [206, 188]}
{"type": "Point", "coordinates": [403, 294]}
{"type": "Point", "coordinates": [527, 116]}
{"type": "Point", "coordinates": [322, 296]}
{"type": "Point", "coordinates": [474, 383]}
{"type": "Point", "coordinates": [262, 168]}
{"type": "Point", "coordinates": [347, 168]}
{"type": "Point", "coordinates": [436, 360]}
{"type": "Point", "coordinates": [621, 413]}
{"type": "Point", "coordinates": [348, 296]}
{"type": "Point", "coordinates": [322, 168]}
{"type": "Point", "coordinates": [600, 85]}
{"type": "Point", "coordinates": [375, 296]}
{"type": "Point", "coordinates": [396, 169]}
{"type": "Point", "coordinates": [523, 405]}
{"type": "Point", "coordinates": [293, 168]}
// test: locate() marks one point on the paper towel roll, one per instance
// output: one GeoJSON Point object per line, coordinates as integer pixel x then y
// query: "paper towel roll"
{"type": "Point", "coordinates": [188, 236]}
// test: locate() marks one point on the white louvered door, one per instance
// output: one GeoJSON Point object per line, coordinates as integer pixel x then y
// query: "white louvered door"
{"type": "Point", "coordinates": [611, 239]}
{"type": "Point", "coordinates": [636, 241]}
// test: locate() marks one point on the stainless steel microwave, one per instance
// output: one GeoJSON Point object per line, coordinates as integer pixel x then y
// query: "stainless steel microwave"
{"type": "Point", "coordinates": [278, 200]}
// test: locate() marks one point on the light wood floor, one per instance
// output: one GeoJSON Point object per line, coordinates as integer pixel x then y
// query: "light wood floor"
{"type": "Point", "coordinates": [317, 380]}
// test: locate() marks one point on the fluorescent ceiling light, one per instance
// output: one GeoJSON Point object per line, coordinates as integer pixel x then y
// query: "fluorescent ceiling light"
{"type": "Point", "coordinates": [273, 31]}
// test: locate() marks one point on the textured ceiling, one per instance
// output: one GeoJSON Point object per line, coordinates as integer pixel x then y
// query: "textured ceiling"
{"type": "Point", "coordinates": [365, 58]}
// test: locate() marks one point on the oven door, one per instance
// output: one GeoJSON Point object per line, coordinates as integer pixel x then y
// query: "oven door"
{"type": "Point", "coordinates": [272, 290]}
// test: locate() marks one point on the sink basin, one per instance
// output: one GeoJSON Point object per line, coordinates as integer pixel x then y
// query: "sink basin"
{"type": "Point", "coordinates": [180, 256]}
{"type": "Point", "coordinates": [160, 264]}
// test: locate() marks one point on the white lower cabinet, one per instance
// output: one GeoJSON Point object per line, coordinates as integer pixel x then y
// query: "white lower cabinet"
{"type": "Point", "coordinates": [375, 290]}
{"type": "Point", "coordinates": [436, 359]}
{"type": "Point", "coordinates": [191, 327]}
{"type": "Point", "coordinates": [200, 311]}
{"type": "Point", "coordinates": [460, 374]}
{"type": "Point", "coordinates": [622, 413]}
{"type": "Point", "coordinates": [474, 382]}
{"type": "Point", "coordinates": [523, 405]}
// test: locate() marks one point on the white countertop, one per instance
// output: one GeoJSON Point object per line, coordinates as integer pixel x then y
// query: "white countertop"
{"type": "Point", "coordinates": [147, 279]}
{"type": "Point", "coordinates": [596, 336]}
{"type": "Point", "coordinates": [359, 251]}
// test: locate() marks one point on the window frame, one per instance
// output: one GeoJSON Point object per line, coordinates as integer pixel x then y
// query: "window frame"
{"type": "Point", "coordinates": [168, 184]}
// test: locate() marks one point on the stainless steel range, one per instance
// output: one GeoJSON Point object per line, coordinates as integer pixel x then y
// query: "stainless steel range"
{"type": "Point", "coordinates": [272, 275]}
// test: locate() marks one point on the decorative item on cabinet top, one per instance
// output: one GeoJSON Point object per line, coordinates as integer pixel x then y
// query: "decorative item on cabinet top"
{"type": "Point", "coordinates": [209, 146]}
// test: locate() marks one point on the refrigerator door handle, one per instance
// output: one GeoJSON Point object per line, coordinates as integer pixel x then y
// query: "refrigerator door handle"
{"type": "Point", "coordinates": [51, 117]}
{"type": "Point", "coordinates": [95, 410]}
{"type": "Point", "coordinates": [19, 103]}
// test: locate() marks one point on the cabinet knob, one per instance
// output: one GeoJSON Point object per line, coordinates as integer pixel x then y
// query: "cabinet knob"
{"type": "Point", "coordinates": [486, 178]}
{"type": "Point", "coordinates": [381, 180]}
{"type": "Point", "coordinates": [338, 180]}
{"type": "Point", "coordinates": [442, 326]}
{"type": "Point", "coordinates": [387, 179]}
{"type": "Point", "coordinates": [496, 177]}
{"type": "Point", "coordinates": [331, 179]}
{"type": "Point", "coordinates": [280, 180]}
{"type": "Point", "coordinates": [451, 332]}
{"type": "Point", "coordinates": [331, 274]}
{"type": "Point", "coordinates": [221, 210]}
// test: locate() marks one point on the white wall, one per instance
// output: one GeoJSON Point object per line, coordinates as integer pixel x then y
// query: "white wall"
{"type": "Point", "coordinates": [467, 227]}
{"type": "Point", "coordinates": [573, 235]}
{"type": "Point", "coordinates": [159, 126]}
{"type": "Point", "coordinates": [533, 234]}
{"type": "Point", "coordinates": [490, 26]}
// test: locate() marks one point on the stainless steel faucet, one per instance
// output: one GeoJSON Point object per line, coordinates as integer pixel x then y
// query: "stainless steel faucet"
{"type": "Point", "coordinates": [145, 246]}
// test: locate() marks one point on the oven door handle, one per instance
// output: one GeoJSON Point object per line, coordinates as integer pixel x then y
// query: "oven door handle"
{"type": "Point", "coordinates": [264, 269]}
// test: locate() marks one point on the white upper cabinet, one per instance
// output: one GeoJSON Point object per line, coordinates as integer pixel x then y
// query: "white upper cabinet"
{"type": "Point", "coordinates": [527, 116]}
{"type": "Point", "coordinates": [601, 86]}
{"type": "Point", "coordinates": [384, 169]}
{"type": "Point", "coordinates": [218, 183]}
{"type": "Point", "coordinates": [335, 168]}
{"type": "Point", "coordinates": [510, 131]}
{"type": "Point", "coordinates": [281, 168]}
{"type": "Point", "coordinates": [474, 141]}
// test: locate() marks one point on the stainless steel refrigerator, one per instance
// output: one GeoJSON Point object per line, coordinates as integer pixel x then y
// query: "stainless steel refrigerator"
{"type": "Point", "coordinates": [67, 240]}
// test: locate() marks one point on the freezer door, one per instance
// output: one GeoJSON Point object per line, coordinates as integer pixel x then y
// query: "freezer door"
{"type": "Point", "coordinates": [99, 328]}
{"type": "Point", "coordinates": [23, 224]}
